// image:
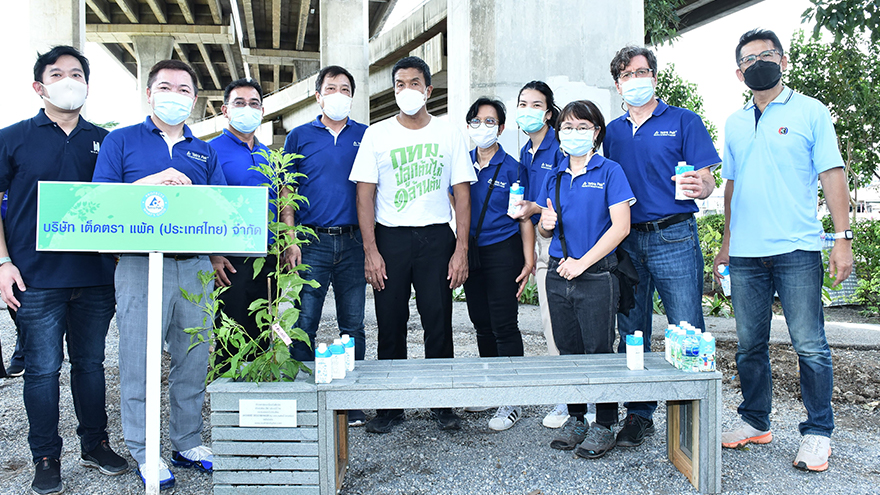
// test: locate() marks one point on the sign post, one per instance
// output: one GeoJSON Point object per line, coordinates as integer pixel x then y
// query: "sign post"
{"type": "Point", "coordinates": [131, 218]}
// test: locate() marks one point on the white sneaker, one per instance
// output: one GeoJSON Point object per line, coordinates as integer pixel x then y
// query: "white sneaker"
{"type": "Point", "coordinates": [813, 453]}
{"type": "Point", "coordinates": [476, 409]}
{"type": "Point", "coordinates": [166, 479]}
{"type": "Point", "coordinates": [557, 417]}
{"type": "Point", "coordinates": [744, 435]}
{"type": "Point", "coordinates": [505, 417]}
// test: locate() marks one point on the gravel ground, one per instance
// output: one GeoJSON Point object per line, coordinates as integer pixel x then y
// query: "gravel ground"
{"type": "Point", "coordinates": [417, 458]}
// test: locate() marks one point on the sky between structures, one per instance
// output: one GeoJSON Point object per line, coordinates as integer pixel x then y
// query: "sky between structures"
{"type": "Point", "coordinates": [704, 56]}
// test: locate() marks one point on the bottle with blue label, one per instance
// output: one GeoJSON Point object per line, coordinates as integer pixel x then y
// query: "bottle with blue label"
{"type": "Point", "coordinates": [724, 271]}
{"type": "Point", "coordinates": [517, 193]}
{"type": "Point", "coordinates": [667, 343]}
{"type": "Point", "coordinates": [690, 351]}
{"type": "Point", "coordinates": [323, 357]}
{"type": "Point", "coordinates": [680, 169]}
{"type": "Point", "coordinates": [337, 361]}
{"type": "Point", "coordinates": [635, 351]}
{"type": "Point", "coordinates": [707, 352]}
{"type": "Point", "coordinates": [348, 345]}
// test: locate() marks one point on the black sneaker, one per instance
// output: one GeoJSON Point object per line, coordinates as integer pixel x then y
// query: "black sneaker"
{"type": "Point", "coordinates": [634, 431]}
{"type": "Point", "coordinates": [447, 419]}
{"type": "Point", "coordinates": [104, 460]}
{"type": "Point", "coordinates": [356, 417]}
{"type": "Point", "coordinates": [598, 442]}
{"type": "Point", "coordinates": [14, 370]}
{"type": "Point", "coordinates": [47, 476]}
{"type": "Point", "coordinates": [385, 421]}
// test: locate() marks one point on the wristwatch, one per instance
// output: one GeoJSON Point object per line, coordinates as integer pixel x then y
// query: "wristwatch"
{"type": "Point", "coordinates": [846, 234]}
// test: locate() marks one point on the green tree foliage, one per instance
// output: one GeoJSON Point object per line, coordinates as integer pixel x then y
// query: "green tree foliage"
{"type": "Point", "coordinates": [107, 125]}
{"type": "Point", "coordinates": [661, 21]}
{"type": "Point", "coordinates": [846, 77]}
{"type": "Point", "coordinates": [845, 18]}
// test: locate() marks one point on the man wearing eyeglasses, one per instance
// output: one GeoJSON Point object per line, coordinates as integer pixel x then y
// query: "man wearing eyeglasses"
{"type": "Point", "coordinates": [648, 141]}
{"type": "Point", "coordinates": [237, 151]}
{"type": "Point", "coordinates": [776, 150]}
{"type": "Point", "coordinates": [335, 253]}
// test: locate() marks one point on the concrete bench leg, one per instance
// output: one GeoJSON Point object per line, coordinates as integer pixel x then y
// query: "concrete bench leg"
{"type": "Point", "coordinates": [710, 440]}
{"type": "Point", "coordinates": [326, 447]}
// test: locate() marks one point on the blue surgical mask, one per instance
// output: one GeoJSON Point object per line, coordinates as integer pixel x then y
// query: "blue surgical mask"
{"type": "Point", "coordinates": [171, 108]}
{"type": "Point", "coordinates": [576, 144]}
{"type": "Point", "coordinates": [530, 119]}
{"type": "Point", "coordinates": [245, 119]}
{"type": "Point", "coordinates": [638, 91]}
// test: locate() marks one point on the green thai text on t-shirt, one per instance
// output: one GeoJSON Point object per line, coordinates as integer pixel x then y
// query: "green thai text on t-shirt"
{"type": "Point", "coordinates": [417, 169]}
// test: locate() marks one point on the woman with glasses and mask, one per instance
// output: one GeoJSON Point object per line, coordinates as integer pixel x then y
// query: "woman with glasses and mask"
{"type": "Point", "coordinates": [536, 116]}
{"type": "Point", "coordinates": [504, 248]}
{"type": "Point", "coordinates": [587, 202]}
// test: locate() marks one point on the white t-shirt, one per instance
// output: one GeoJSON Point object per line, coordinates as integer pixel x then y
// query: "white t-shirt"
{"type": "Point", "coordinates": [413, 170]}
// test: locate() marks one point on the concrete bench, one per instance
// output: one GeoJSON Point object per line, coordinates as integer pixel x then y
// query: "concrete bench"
{"type": "Point", "coordinates": [693, 400]}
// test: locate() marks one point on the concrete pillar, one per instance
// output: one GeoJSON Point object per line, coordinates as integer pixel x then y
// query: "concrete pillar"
{"type": "Point", "coordinates": [149, 50]}
{"type": "Point", "coordinates": [344, 43]}
{"type": "Point", "coordinates": [198, 111]}
{"type": "Point", "coordinates": [57, 22]}
{"type": "Point", "coordinates": [494, 49]}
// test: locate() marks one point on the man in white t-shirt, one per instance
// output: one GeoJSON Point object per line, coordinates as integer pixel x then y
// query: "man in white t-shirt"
{"type": "Point", "coordinates": [403, 171]}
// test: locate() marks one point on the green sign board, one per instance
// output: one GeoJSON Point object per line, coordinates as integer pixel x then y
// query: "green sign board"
{"type": "Point", "coordinates": [134, 218]}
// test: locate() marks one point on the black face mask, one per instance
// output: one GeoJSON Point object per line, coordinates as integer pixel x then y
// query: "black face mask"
{"type": "Point", "coordinates": [762, 75]}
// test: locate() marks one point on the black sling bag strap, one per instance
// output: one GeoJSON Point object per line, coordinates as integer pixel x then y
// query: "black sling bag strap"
{"type": "Point", "coordinates": [473, 249]}
{"type": "Point", "coordinates": [559, 216]}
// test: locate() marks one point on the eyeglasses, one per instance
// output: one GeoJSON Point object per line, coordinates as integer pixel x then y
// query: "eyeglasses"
{"type": "Point", "coordinates": [638, 73]}
{"type": "Point", "coordinates": [566, 131]}
{"type": "Point", "coordinates": [747, 61]}
{"type": "Point", "coordinates": [256, 105]}
{"type": "Point", "coordinates": [490, 122]}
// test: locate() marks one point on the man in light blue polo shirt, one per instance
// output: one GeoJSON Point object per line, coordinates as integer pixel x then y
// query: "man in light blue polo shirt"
{"type": "Point", "coordinates": [775, 149]}
{"type": "Point", "coordinates": [648, 141]}
{"type": "Point", "coordinates": [162, 151]}
{"type": "Point", "coordinates": [335, 255]}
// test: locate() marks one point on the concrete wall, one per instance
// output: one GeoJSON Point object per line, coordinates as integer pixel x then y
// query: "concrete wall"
{"type": "Point", "coordinates": [496, 46]}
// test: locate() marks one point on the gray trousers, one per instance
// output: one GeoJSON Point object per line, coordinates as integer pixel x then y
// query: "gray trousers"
{"type": "Point", "coordinates": [186, 379]}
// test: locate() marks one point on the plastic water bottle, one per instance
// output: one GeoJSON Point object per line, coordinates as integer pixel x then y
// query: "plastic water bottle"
{"type": "Point", "coordinates": [517, 193]}
{"type": "Point", "coordinates": [680, 169]}
{"type": "Point", "coordinates": [724, 271]}
{"type": "Point", "coordinates": [635, 352]}
{"type": "Point", "coordinates": [348, 344]}
{"type": "Point", "coordinates": [337, 363]}
{"type": "Point", "coordinates": [707, 352]}
{"type": "Point", "coordinates": [323, 356]}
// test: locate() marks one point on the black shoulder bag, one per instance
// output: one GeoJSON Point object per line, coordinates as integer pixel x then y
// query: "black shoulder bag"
{"type": "Point", "coordinates": [473, 250]}
{"type": "Point", "coordinates": [625, 271]}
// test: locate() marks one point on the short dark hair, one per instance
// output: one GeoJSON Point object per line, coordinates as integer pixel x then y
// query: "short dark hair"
{"type": "Point", "coordinates": [584, 110]}
{"type": "Point", "coordinates": [544, 89]}
{"type": "Point", "coordinates": [625, 55]}
{"type": "Point", "coordinates": [412, 63]}
{"type": "Point", "coordinates": [484, 101]}
{"type": "Point", "coordinates": [172, 65]}
{"type": "Point", "coordinates": [758, 35]}
{"type": "Point", "coordinates": [333, 71]}
{"type": "Point", "coordinates": [53, 55]}
{"type": "Point", "coordinates": [244, 82]}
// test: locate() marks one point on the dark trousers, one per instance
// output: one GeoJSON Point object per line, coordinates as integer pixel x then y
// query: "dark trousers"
{"type": "Point", "coordinates": [244, 289]}
{"type": "Point", "coordinates": [491, 298]}
{"type": "Point", "coordinates": [583, 311]}
{"type": "Point", "coordinates": [18, 353]}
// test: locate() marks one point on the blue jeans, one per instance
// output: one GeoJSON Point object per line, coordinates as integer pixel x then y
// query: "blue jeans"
{"type": "Point", "coordinates": [797, 278]}
{"type": "Point", "coordinates": [47, 318]}
{"type": "Point", "coordinates": [669, 260]}
{"type": "Point", "coordinates": [337, 260]}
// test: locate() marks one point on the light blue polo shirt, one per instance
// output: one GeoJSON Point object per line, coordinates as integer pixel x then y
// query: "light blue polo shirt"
{"type": "Point", "coordinates": [540, 163]}
{"type": "Point", "coordinates": [649, 155]}
{"type": "Point", "coordinates": [327, 162]}
{"type": "Point", "coordinates": [497, 226]}
{"type": "Point", "coordinates": [775, 164]}
{"type": "Point", "coordinates": [585, 200]}
{"type": "Point", "coordinates": [134, 152]}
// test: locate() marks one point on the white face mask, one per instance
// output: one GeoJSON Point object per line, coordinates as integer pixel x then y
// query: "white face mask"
{"type": "Point", "coordinates": [410, 101]}
{"type": "Point", "coordinates": [66, 94]}
{"type": "Point", "coordinates": [337, 106]}
{"type": "Point", "coordinates": [483, 136]}
{"type": "Point", "coordinates": [245, 119]}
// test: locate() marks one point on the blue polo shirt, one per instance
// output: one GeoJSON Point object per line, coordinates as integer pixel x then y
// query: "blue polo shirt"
{"type": "Point", "coordinates": [539, 164]}
{"type": "Point", "coordinates": [37, 149]}
{"type": "Point", "coordinates": [326, 162]}
{"type": "Point", "coordinates": [497, 226]}
{"type": "Point", "coordinates": [236, 160]}
{"type": "Point", "coordinates": [775, 163]}
{"type": "Point", "coordinates": [134, 152]}
{"type": "Point", "coordinates": [585, 200]}
{"type": "Point", "coordinates": [649, 156]}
